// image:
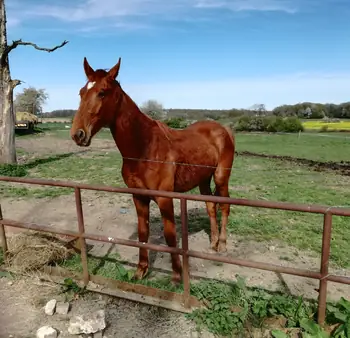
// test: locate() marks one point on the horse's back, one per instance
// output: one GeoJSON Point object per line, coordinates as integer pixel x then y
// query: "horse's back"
{"type": "Point", "coordinates": [208, 133]}
{"type": "Point", "coordinates": [198, 150]}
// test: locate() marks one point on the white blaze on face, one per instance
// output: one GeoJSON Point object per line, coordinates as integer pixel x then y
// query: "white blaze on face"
{"type": "Point", "coordinates": [90, 85]}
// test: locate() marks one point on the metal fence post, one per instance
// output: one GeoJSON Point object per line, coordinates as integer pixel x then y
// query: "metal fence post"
{"type": "Point", "coordinates": [185, 257]}
{"type": "Point", "coordinates": [326, 248]}
{"type": "Point", "coordinates": [81, 234]}
{"type": "Point", "coordinates": [3, 237]}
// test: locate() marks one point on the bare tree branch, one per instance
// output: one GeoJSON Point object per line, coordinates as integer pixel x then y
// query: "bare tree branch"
{"type": "Point", "coordinates": [19, 42]}
{"type": "Point", "coordinates": [15, 83]}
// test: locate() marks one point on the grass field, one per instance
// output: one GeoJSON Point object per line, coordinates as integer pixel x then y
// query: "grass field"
{"type": "Point", "coordinates": [47, 155]}
{"type": "Point", "coordinates": [318, 147]}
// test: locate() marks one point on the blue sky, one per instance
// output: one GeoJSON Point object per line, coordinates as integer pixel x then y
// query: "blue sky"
{"type": "Point", "coordinates": [188, 53]}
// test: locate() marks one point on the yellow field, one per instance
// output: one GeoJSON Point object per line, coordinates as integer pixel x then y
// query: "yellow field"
{"type": "Point", "coordinates": [342, 125]}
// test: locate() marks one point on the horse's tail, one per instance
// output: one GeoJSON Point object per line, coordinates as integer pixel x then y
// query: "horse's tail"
{"type": "Point", "coordinates": [230, 134]}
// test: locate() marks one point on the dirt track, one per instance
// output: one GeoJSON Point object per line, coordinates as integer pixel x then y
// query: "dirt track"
{"type": "Point", "coordinates": [21, 313]}
{"type": "Point", "coordinates": [341, 167]}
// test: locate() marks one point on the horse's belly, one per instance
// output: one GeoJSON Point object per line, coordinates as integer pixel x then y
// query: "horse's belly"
{"type": "Point", "coordinates": [187, 178]}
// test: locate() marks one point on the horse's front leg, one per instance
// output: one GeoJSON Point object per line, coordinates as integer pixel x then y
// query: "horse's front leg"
{"type": "Point", "coordinates": [166, 208]}
{"type": "Point", "coordinates": [142, 209]}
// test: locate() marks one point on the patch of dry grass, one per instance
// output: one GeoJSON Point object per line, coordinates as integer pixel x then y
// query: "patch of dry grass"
{"type": "Point", "coordinates": [31, 251]}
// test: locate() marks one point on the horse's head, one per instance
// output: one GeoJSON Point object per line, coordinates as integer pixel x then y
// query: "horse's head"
{"type": "Point", "coordinates": [97, 103]}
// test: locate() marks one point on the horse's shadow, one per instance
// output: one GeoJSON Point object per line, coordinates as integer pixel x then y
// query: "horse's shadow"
{"type": "Point", "coordinates": [197, 220]}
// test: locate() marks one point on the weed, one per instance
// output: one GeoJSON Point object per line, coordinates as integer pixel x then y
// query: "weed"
{"type": "Point", "coordinates": [71, 289]}
{"type": "Point", "coordinates": [13, 170]}
{"type": "Point", "coordinates": [340, 313]}
{"type": "Point", "coordinates": [265, 305]}
{"type": "Point", "coordinates": [227, 306]}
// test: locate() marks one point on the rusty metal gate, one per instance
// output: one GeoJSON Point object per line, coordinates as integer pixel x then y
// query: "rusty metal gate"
{"type": "Point", "coordinates": [322, 275]}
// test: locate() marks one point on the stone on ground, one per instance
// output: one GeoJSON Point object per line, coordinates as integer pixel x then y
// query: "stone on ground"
{"type": "Point", "coordinates": [88, 323]}
{"type": "Point", "coordinates": [50, 307]}
{"type": "Point", "coordinates": [62, 308]}
{"type": "Point", "coordinates": [46, 332]}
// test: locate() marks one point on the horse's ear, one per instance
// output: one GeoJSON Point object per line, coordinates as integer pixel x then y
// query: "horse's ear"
{"type": "Point", "coordinates": [114, 71]}
{"type": "Point", "coordinates": [88, 70]}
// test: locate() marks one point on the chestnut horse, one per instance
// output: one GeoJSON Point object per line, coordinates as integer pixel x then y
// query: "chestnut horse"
{"type": "Point", "coordinates": [157, 157]}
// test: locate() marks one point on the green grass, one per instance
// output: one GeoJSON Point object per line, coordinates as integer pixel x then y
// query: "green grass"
{"type": "Point", "coordinates": [97, 169]}
{"type": "Point", "coordinates": [313, 147]}
{"type": "Point", "coordinates": [63, 133]}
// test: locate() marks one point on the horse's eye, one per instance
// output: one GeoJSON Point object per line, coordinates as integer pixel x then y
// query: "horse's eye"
{"type": "Point", "coordinates": [102, 93]}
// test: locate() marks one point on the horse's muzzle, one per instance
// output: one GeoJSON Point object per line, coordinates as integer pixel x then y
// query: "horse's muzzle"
{"type": "Point", "coordinates": [81, 138]}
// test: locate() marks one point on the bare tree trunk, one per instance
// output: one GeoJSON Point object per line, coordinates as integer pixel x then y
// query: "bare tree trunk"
{"type": "Point", "coordinates": [7, 115]}
{"type": "Point", "coordinates": [7, 118]}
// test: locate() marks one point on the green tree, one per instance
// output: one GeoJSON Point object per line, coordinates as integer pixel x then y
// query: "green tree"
{"type": "Point", "coordinates": [153, 108]}
{"type": "Point", "coordinates": [31, 100]}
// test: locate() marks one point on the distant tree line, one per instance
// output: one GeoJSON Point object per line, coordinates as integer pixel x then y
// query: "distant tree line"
{"type": "Point", "coordinates": [305, 110]}
{"type": "Point", "coordinates": [32, 100]}
{"type": "Point", "coordinates": [61, 113]}
{"type": "Point", "coordinates": [314, 110]}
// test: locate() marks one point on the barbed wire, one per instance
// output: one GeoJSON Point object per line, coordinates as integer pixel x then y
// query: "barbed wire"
{"type": "Point", "coordinates": [174, 163]}
{"type": "Point", "coordinates": [215, 167]}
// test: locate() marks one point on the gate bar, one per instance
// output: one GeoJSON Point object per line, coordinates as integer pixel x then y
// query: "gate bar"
{"type": "Point", "coordinates": [326, 248]}
{"type": "Point", "coordinates": [3, 236]}
{"type": "Point", "coordinates": [309, 208]}
{"type": "Point", "coordinates": [191, 253]}
{"type": "Point", "coordinates": [81, 228]}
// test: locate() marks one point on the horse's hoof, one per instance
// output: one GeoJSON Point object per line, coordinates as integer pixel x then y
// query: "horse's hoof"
{"type": "Point", "coordinates": [176, 280]}
{"type": "Point", "coordinates": [214, 247]}
{"type": "Point", "coordinates": [222, 248]}
{"type": "Point", "coordinates": [139, 274]}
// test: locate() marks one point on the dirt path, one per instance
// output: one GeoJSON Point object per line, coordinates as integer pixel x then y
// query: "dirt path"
{"type": "Point", "coordinates": [342, 167]}
{"type": "Point", "coordinates": [21, 313]}
{"type": "Point", "coordinates": [46, 145]}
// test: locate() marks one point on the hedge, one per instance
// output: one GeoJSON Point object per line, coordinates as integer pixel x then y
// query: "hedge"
{"type": "Point", "coordinates": [270, 124]}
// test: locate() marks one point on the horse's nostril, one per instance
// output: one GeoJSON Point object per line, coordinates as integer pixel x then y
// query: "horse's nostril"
{"type": "Point", "coordinates": [80, 134]}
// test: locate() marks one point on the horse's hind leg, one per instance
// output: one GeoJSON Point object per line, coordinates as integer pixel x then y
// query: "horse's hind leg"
{"type": "Point", "coordinates": [221, 178]}
{"type": "Point", "coordinates": [205, 189]}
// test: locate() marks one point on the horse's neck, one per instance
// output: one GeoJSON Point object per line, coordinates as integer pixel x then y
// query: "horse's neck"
{"type": "Point", "coordinates": [132, 129]}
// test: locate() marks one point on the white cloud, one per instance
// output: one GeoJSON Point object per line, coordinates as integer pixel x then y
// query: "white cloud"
{"type": "Point", "coordinates": [250, 5]}
{"type": "Point", "coordinates": [231, 93]}
{"type": "Point", "coordinates": [97, 9]}
{"type": "Point", "coordinates": [92, 11]}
